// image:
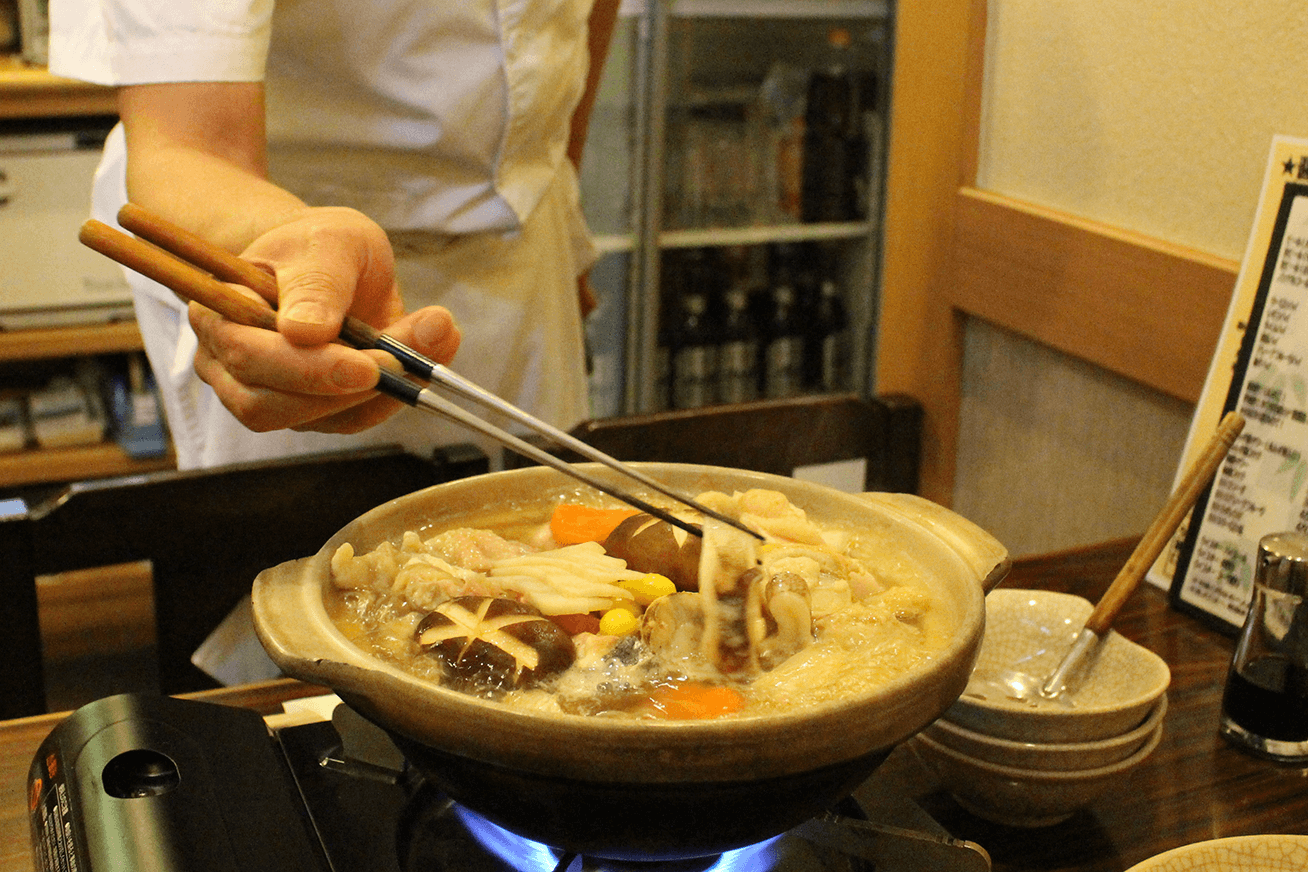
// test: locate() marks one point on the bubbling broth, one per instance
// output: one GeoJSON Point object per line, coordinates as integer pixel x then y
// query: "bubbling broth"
{"type": "Point", "coordinates": [577, 606]}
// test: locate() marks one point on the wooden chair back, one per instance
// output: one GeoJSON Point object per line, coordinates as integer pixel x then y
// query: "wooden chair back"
{"type": "Point", "coordinates": [207, 534]}
{"type": "Point", "coordinates": [776, 436]}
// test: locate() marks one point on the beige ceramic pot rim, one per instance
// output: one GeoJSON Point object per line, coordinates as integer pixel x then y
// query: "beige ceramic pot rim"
{"type": "Point", "coordinates": [292, 623]}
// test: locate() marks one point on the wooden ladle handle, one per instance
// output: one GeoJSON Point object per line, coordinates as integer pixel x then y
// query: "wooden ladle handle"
{"type": "Point", "coordinates": [1160, 531]}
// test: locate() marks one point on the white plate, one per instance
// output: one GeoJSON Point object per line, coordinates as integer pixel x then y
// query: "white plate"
{"type": "Point", "coordinates": [1269, 853]}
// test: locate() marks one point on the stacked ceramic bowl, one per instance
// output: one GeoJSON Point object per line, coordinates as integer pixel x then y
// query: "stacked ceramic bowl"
{"type": "Point", "coordinates": [1009, 755]}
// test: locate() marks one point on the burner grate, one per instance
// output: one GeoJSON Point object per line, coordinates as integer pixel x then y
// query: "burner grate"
{"type": "Point", "coordinates": [371, 815]}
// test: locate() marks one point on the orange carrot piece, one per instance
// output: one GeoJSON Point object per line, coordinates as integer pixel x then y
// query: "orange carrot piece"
{"type": "Point", "coordinates": [692, 701]}
{"type": "Point", "coordinates": [572, 524]}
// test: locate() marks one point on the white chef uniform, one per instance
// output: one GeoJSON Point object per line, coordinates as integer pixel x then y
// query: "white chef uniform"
{"type": "Point", "coordinates": [445, 121]}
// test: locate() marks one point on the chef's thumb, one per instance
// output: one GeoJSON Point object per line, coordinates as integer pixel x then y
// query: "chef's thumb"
{"type": "Point", "coordinates": [311, 307]}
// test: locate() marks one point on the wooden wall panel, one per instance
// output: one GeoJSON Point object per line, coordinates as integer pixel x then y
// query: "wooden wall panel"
{"type": "Point", "coordinates": [1136, 306]}
{"type": "Point", "coordinates": [931, 151]}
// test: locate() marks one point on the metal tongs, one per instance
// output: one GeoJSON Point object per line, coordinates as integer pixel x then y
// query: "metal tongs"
{"type": "Point", "coordinates": [196, 270]}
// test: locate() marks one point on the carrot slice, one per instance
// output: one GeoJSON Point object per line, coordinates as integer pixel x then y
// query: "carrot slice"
{"type": "Point", "coordinates": [692, 701]}
{"type": "Point", "coordinates": [572, 524]}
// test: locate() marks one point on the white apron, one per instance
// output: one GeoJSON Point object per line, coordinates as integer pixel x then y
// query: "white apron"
{"type": "Point", "coordinates": [446, 122]}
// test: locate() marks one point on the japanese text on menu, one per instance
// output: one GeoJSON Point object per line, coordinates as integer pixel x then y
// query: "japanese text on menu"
{"type": "Point", "coordinates": [1263, 485]}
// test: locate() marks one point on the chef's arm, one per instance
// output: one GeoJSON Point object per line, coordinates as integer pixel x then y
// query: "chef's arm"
{"type": "Point", "coordinates": [196, 156]}
{"type": "Point", "coordinates": [196, 149]}
{"type": "Point", "coordinates": [603, 18]}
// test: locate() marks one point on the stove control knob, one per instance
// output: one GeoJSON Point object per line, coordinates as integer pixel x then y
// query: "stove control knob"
{"type": "Point", "coordinates": [140, 772]}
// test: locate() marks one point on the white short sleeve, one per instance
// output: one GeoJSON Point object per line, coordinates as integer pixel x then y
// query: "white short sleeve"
{"type": "Point", "coordinates": [132, 42]}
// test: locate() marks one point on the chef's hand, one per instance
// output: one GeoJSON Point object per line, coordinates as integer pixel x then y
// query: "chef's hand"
{"type": "Point", "coordinates": [328, 262]}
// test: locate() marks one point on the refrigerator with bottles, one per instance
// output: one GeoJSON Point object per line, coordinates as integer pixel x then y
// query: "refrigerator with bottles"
{"type": "Point", "coordinates": [733, 178]}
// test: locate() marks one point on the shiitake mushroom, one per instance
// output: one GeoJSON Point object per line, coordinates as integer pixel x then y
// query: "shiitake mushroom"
{"type": "Point", "coordinates": [493, 643]}
{"type": "Point", "coordinates": [648, 544]}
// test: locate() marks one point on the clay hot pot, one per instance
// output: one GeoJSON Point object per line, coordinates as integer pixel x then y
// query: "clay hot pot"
{"type": "Point", "coordinates": [628, 789]}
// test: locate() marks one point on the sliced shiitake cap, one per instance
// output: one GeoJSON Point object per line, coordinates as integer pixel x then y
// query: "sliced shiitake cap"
{"type": "Point", "coordinates": [494, 642]}
{"type": "Point", "coordinates": [648, 544]}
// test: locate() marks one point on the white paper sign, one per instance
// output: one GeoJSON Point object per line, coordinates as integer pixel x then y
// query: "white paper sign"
{"type": "Point", "coordinates": [1260, 369]}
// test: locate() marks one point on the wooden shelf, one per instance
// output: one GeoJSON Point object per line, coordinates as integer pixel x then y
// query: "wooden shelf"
{"type": "Point", "coordinates": [28, 91]}
{"type": "Point", "coordinates": [81, 341]}
{"type": "Point", "coordinates": [47, 466]}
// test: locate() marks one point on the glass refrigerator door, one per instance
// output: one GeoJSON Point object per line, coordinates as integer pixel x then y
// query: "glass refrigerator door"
{"type": "Point", "coordinates": [771, 168]}
{"type": "Point", "coordinates": [752, 135]}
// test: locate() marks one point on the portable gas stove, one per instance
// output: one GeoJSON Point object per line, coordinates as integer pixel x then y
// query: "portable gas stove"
{"type": "Point", "coordinates": [140, 782]}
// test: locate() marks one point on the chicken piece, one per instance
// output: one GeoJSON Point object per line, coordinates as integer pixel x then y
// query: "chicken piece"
{"type": "Point", "coordinates": [770, 512]}
{"type": "Point", "coordinates": [474, 549]}
{"type": "Point", "coordinates": [371, 571]}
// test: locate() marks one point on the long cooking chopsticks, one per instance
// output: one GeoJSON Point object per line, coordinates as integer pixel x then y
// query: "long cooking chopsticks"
{"type": "Point", "coordinates": [196, 270]}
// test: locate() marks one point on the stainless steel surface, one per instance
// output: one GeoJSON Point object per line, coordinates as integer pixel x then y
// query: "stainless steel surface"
{"type": "Point", "coordinates": [446, 378]}
{"type": "Point", "coordinates": [174, 264]}
{"type": "Point", "coordinates": [889, 847]}
{"type": "Point", "coordinates": [1283, 562]}
{"type": "Point", "coordinates": [641, 370]}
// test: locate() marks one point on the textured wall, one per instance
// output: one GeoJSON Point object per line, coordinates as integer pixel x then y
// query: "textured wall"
{"type": "Point", "coordinates": [1153, 116]}
{"type": "Point", "coordinates": [1156, 117]}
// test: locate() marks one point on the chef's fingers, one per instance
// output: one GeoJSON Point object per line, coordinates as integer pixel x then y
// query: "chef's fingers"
{"type": "Point", "coordinates": [356, 418]}
{"type": "Point", "coordinates": [265, 358]}
{"type": "Point", "coordinates": [263, 410]}
{"type": "Point", "coordinates": [269, 384]}
{"type": "Point", "coordinates": [430, 331]}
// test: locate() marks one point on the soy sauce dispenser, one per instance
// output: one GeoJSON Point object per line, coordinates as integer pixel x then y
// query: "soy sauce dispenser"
{"type": "Point", "coordinates": [1265, 705]}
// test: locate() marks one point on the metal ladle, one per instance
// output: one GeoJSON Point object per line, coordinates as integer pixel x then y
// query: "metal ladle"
{"type": "Point", "coordinates": [1025, 687]}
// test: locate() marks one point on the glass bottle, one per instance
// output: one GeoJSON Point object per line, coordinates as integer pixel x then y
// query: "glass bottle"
{"type": "Point", "coordinates": [783, 351]}
{"type": "Point", "coordinates": [694, 353]}
{"type": "Point", "coordinates": [826, 354]}
{"type": "Point", "coordinates": [1265, 704]}
{"type": "Point", "coordinates": [831, 132]}
{"type": "Point", "coordinates": [738, 350]}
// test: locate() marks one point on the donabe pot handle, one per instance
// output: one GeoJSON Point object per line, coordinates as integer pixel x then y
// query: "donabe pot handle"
{"type": "Point", "coordinates": [985, 554]}
{"type": "Point", "coordinates": [301, 639]}
{"type": "Point", "coordinates": [285, 616]}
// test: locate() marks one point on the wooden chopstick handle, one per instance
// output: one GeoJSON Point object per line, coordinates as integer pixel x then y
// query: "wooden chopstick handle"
{"type": "Point", "coordinates": [192, 248]}
{"type": "Point", "coordinates": [191, 283]}
{"type": "Point", "coordinates": [1164, 525]}
{"type": "Point", "coordinates": [183, 279]}
{"type": "Point", "coordinates": [227, 267]}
